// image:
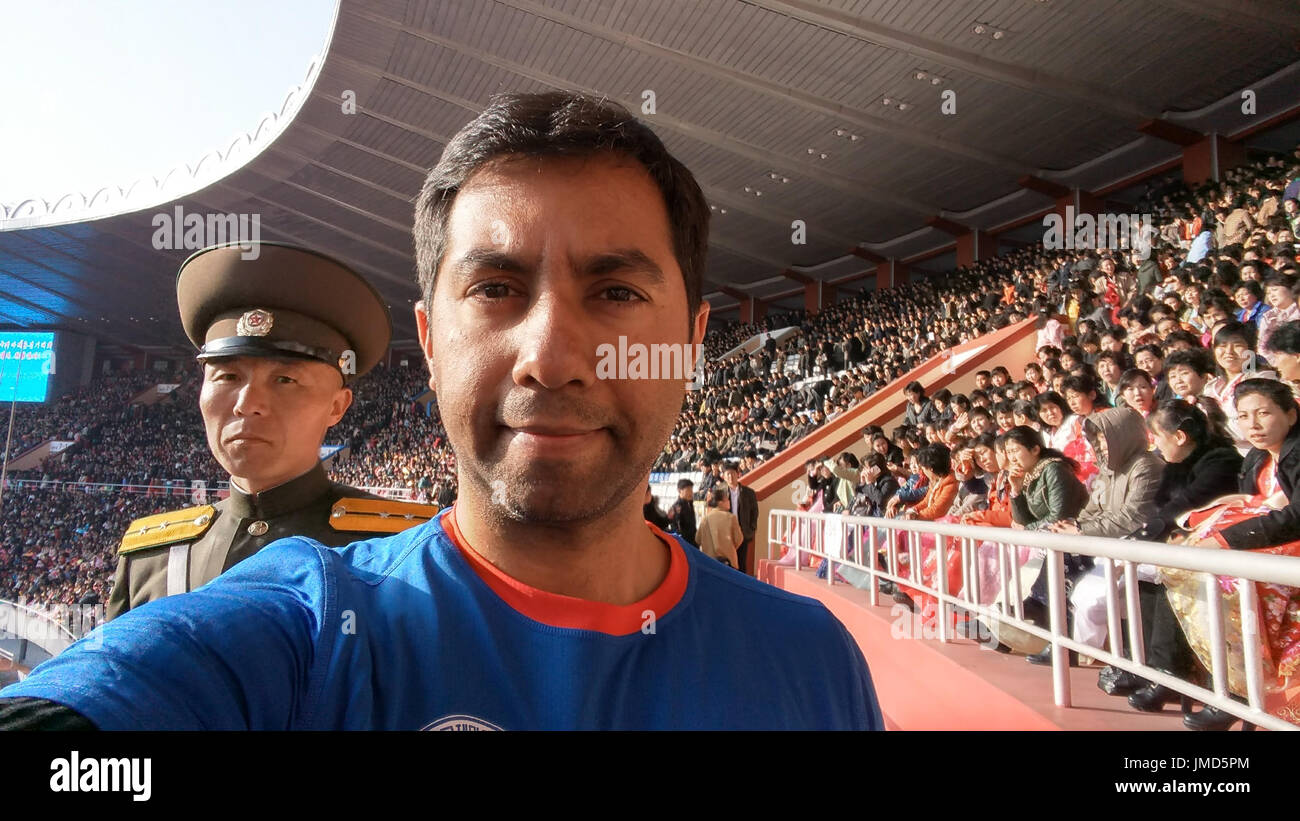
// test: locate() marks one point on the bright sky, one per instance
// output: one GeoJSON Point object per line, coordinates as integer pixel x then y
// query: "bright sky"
{"type": "Point", "coordinates": [104, 92]}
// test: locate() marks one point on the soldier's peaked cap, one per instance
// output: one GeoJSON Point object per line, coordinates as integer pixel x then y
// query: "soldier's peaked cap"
{"type": "Point", "coordinates": [278, 300]}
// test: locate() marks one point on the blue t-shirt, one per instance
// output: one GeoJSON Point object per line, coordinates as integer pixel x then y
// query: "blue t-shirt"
{"type": "Point", "coordinates": [416, 631]}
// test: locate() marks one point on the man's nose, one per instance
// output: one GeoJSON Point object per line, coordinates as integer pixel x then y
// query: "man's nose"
{"type": "Point", "coordinates": [553, 348]}
{"type": "Point", "coordinates": [251, 400]}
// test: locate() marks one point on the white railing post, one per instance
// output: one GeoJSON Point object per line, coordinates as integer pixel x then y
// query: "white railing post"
{"type": "Point", "coordinates": [941, 584]}
{"type": "Point", "coordinates": [1056, 613]}
{"type": "Point", "coordinates": [1218, 653]}
{"type": "Point", "coordinates": [873, 595]}
{"type": "Point", "coordinates": [1249, 601]}
{"type": "Point", "coordinates": [1113, 633]}
{"type": "Point", "coordinates": [1136, 639]}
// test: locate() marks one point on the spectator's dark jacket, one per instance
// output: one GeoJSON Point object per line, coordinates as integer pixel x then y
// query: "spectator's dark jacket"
{"type": "Point", "coordinates": [1280, 526]}
{"type": "Point", "coordinates": [1051, 493]}
{"type": "Point", "coordinates": [1210, 472]}
{"type": "Point", "coordinates": [920, 418]}
{"type": "Point", "coordinates": [681, 519]}
{"type": "Point", "coordinates": [871, 497]}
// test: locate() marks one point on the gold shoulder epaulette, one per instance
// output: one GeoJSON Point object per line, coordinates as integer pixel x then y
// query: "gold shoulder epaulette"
{"type": "Point", "coordinates": [166, 528]}
{"type": "Point", "coordinates": [379, 515]}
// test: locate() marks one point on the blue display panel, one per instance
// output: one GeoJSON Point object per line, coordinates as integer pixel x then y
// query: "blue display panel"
{"type": "Point", "coordinates": [26, 362]}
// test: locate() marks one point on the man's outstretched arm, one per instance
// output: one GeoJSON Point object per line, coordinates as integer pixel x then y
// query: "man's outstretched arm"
{"type": "Point", "coordinates": [235, 654]}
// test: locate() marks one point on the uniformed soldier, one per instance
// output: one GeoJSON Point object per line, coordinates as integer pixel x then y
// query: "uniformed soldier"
{"type": "Point", "coordinates": [280, 336]}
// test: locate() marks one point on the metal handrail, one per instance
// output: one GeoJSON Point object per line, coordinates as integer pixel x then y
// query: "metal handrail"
{"type": "Point", "coordinates": [1241, 565]}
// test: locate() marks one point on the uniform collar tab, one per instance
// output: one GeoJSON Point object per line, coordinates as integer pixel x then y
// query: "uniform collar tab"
{"type": "Point", "coordinates": [281, 499]}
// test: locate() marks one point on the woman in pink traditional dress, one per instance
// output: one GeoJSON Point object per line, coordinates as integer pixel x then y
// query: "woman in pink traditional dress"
{"type": "Point", "coordinates": [1264, 519]}
{"type": "Point", "coordinates": [1063, 431]}
{"type": "Point", "coordinates": [1234, 353]}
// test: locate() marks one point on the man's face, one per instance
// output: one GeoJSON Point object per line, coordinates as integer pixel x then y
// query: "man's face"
{"type": "Point", "coordinates": [546, 261]}
{"type": "Point", "coordinates": [731, 476]}
{"type": "Point", "coordinates": [266, 418]}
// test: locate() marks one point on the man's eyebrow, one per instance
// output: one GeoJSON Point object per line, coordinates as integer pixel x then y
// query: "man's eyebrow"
{"type": "Point", "coordinates": [476, 258]}
{"type": "Point", "coordinates": [621, 259]}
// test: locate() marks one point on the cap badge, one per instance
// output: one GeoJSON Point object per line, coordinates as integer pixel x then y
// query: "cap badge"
{"type": "Point", "coordinates": [256, 322]}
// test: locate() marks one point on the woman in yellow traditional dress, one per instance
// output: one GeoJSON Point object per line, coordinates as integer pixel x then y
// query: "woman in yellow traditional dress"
{"type": "Point", "coordinates": [1264, 519]}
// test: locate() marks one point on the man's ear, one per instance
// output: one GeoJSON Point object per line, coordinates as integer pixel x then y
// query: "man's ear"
{"type": "Point", "coordinates": [342, 401]}
{"type": "Point", "coordinates": [701, 323]}
{"type": "Point", "coordinates": [426, 341]}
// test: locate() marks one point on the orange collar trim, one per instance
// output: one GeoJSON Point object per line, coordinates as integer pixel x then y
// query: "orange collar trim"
{"type": "Point", "coordinates": [558, 610]}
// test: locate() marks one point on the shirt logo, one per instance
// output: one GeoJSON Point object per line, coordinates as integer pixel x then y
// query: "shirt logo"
{"type": "Point", "coordinates": [461, 724]}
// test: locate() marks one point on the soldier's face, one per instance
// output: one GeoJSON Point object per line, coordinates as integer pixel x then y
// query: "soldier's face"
{"type": "Point", "coordinates": [548, 263]}
{"type": "Point", "coordinates": [266, 418]}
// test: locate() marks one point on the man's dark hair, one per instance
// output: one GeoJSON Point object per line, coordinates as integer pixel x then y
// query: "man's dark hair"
{"type": "Point", "coordinates": [561, 124]}
{"type": "Point", "coordinates": [683, 484]}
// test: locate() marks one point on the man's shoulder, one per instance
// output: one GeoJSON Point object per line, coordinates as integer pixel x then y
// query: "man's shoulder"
{"type": "Point", "coordinates": [761, 603]}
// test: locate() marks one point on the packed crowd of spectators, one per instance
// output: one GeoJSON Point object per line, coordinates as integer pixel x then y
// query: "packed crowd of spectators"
{"type": "Point", "coordinates": [58, 547]}
{"type": "Point", "coordinates": [1165, 379]}
{"type": "Point", "coordinates": [73, 414]}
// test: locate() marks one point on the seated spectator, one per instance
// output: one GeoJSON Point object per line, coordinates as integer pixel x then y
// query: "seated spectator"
{"type": "Point", "coordinates": [1138, 391]}
{"type": "Point", "coordinates": [1004, 416]}
{"type": "Point", "coordinates": [1152, 360]}
{"type": "Point", "coordinates": [1282, 307]}
{"type": "Point", "coordinates": [1122, 502]}
{"type": "Point", "coordinates": [1110, 369]}
{"type": "Point", "coordinates": [919, 409]}
{"type": "Point", "coordinates": [911, 491]}
{"type": "Point", "coordinates": [1189, 373]}
{"type": "Point", "coordinates": [1266, 519]}
{"type": "Point", "coordinates": [1045, 489]}
{"type": "Point", "coordinates": [877, 488]}
{"type": "Point", "coordinates": [1250, 302]}
{"type": "Point", "coordinates": [1284, 351]}
{"type": "Point", "coordinates": [1234, 353]}
{"type": "Point", "coordinates": [1023, 412]}
{"type": "Point", "coordinates": [1201, 465]}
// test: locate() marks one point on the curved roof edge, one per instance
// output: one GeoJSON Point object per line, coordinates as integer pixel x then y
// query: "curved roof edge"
{"type": "Point", "coordinates": [180, 181]}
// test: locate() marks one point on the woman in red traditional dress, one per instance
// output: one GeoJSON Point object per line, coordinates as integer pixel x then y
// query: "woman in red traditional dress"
{"type": "Point", "coordinates": [1265, 519]}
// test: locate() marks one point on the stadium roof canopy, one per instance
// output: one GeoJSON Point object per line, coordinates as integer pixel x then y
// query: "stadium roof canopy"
{"type": "Point", "coordinates": [831, 109]}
